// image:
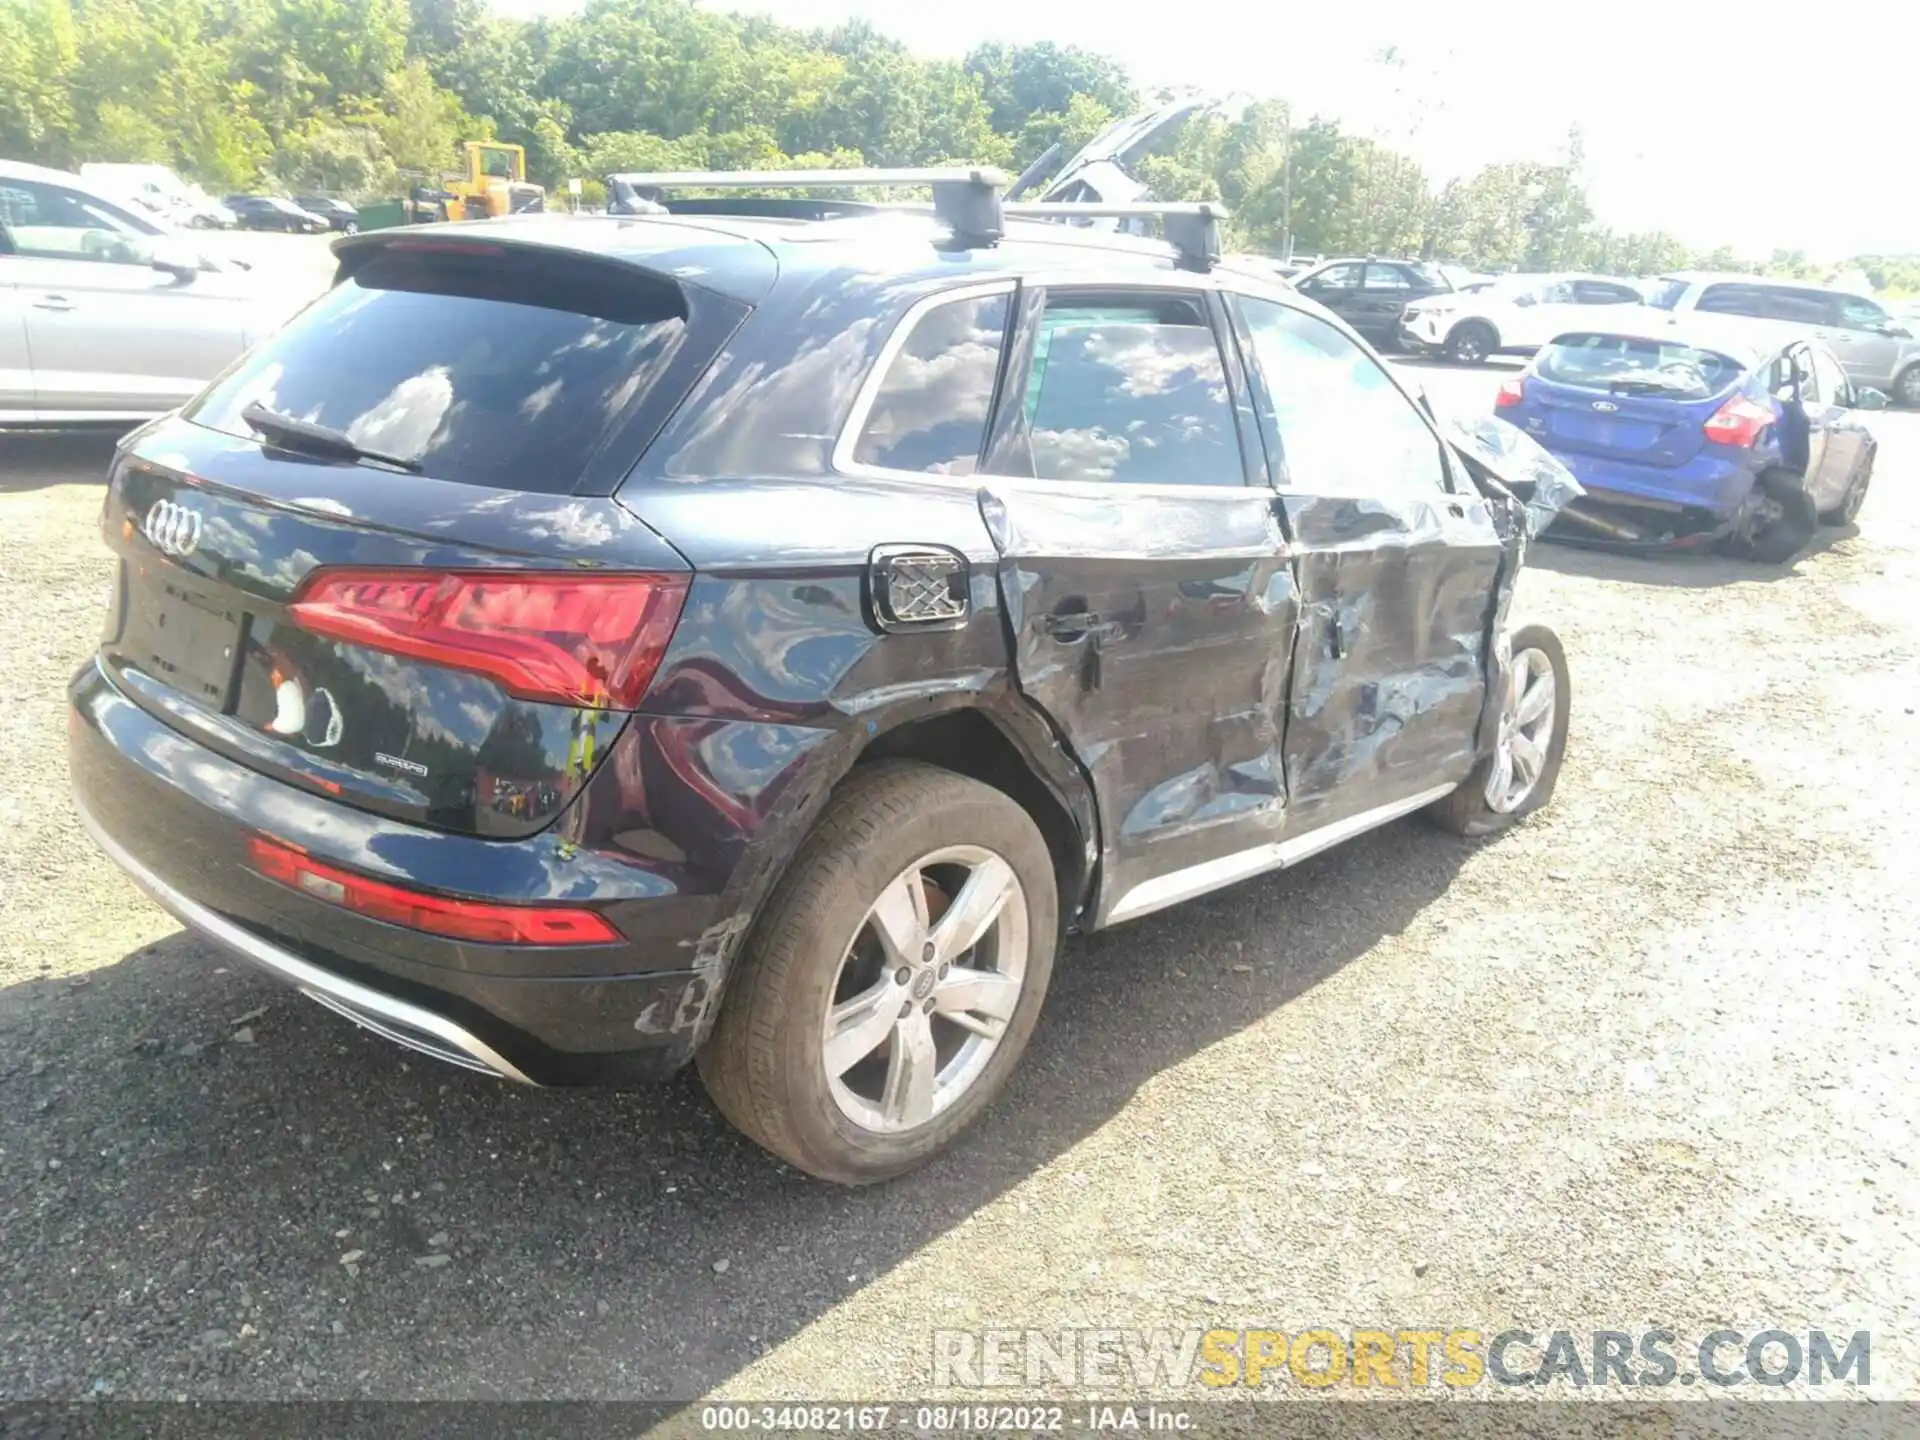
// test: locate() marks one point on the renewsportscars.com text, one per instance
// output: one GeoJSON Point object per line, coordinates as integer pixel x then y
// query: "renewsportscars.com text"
{"type": "Point", "coordinates": [1109, 1359]}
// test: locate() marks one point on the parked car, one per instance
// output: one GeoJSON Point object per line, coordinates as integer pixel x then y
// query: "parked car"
{"type": "Point", "coordinates": [1514, 315]}
{"type": "Point", "coordinates": [1876, 348]}
{"type": "Point", "coordinates": [116, 318]}
{"type": "Point", "coordinates": [1371, 294]}
{"type": "Point", "coordinates": [271, 212]}
{"type": "Point", "coordinates": [160, 192]}
{"type": "Point", "coordinates": [1696, 432]}
{"type": "Point", "coordinates": [338, 214]}
{"type": "Point", "coordinates": [571, 652]}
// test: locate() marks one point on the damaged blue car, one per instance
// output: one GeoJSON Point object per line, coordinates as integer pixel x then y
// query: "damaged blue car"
{"type": "Point", "coordinates": [1689, 435]}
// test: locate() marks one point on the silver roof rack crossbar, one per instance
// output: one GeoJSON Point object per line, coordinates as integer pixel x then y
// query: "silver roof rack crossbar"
{"type": "Point", "coordinates": [966, 199]}
{"type": "Point", "coordinates": [1192, 229]}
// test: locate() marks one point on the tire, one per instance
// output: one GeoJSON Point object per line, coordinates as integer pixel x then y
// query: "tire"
{"type": "Point", "coordinates": [813, 949]}
{"type": "Point", "coordinates": [1848, 510]}
{"type": "Point", "coordinates": [1906, 387]}
{"type": "Point", "coordinates": [1471, 342]}
{"type": "Point", "coordinates": [1471, 809]}
{"type": "Point", "coordinates": [1785, 533]}
{"type": "Point", "coordinates": [352, 227]}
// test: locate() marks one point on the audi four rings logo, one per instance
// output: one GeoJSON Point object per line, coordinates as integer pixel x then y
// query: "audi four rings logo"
{"type": "Point", "coordinates": [173, 529]}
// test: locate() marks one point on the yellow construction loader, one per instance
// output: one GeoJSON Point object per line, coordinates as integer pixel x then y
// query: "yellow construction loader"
{"type": "Point", "coordinates": [492, 181]}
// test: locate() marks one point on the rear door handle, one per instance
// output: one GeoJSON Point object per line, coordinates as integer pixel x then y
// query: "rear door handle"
{"type": "Point", "coordinates": [53, 302]}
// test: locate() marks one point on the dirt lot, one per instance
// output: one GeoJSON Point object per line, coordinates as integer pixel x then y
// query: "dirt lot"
{"type": "Point", "coordinates": [1648, 1061]}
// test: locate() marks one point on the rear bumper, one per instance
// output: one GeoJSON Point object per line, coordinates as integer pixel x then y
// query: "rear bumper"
{"type": "Point", "coordinates": [413, 1026]}
{"type": "Point", "coordinates": [1709, 486]}
{"type": "Point", "coordinates": [176, 817]}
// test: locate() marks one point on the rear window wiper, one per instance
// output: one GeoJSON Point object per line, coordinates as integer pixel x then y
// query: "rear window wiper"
{"type": "Point", "coordinates": [305, 436]}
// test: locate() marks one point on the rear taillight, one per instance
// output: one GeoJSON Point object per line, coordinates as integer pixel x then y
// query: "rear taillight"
{"type": "Point", "coordinates": [474, 920]}
{"type": "Point", "coordinates": [1738, 422]}
{"type": "Point", "coordinates": [1512, 391]}
{"type": "Point", "coordinates": [588, 640]}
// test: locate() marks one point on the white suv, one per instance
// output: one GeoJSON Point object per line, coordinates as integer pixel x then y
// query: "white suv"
{"type": "Point", "coordinates": [1515, 315]}
{"type": "Point", "coordinates": [1877, 349]}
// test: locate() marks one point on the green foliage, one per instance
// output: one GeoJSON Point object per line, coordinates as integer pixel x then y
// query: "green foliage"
{"type": "Point", "coordinates": [345, 95]}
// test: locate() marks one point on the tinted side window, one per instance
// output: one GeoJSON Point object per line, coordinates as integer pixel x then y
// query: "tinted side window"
{"type": "Point", "coordinates": [1130, 389]}
{"type": "Point", "coordinates": [1804, 307]}
{"type": "Point", "coordinates": [1387, 277]}
{"type": "Point", "coordinates": [1598, 292]}
{"type": "Point", "coordinates": [504, 370]}
{"type": "Point", "coordinates": [1858, 314]}
{"type": "Point", "coordinates": [1734, 300]}
{"type": "Point", "coordinates": [930, 414]}
{"type": "Point", "coordinates": [1342, 427]}
{"type": "Point", "coordinates": [1336, 277]}
{"type": "Point", "coordinates": [55, 224]}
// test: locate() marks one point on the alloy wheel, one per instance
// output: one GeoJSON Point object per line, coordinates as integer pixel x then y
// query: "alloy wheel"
{"type": "Point", "coordinates": [1526, 732]}
{"type": "Point", "coordinates": [926, 989]}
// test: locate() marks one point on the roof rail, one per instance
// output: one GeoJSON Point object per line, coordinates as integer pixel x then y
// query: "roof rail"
{"type": "Point", "coordinates": [1192, 229]}
{"type": "Point", "coordinates": [966, 199]}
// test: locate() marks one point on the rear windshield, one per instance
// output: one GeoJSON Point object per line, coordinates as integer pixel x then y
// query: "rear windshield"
{"type": "Point", "coordinates": [1624, 365]}
{"type": "Point", "coordinates": [500, 368]}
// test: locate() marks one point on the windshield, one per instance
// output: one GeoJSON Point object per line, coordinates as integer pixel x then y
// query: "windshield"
{"type": "Point", "coordinates": [1625, 365]}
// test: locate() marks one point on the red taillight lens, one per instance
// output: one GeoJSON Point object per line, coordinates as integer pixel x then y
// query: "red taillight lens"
{"type": "Point", "coordinates": [589, 640]}
{"type": "Point", "coordinates": [1512, 392]}
{"type": "Point", "coordinates": [473, 920]}
{"type": "Point", "coordinates": [1738, 422]}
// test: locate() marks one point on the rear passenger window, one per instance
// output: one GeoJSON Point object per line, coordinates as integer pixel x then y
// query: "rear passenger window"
{"type": "Point", "coordinates": [1803, 307]}
{"type": "Point", "coordinates": [930, 413]}
{"type": "Point", "coordinates": [1130, 390]}
{"type": "Point", "coordinates": [1341, 426]}
{"type": "Point", "coordinates": [1734, 300]}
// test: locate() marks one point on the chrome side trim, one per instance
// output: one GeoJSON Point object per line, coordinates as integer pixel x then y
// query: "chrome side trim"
{"type": "Point", "coordinates": [1164, 890]}
{"type": "Point", "coordinates": [363, 1006]}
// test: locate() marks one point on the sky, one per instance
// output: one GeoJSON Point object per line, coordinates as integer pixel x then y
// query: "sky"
{"type": "Point", "coordinates": [1748, 126]}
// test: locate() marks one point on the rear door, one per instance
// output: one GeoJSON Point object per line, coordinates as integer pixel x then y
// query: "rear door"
{"type": "Point", "coordinates": [1801, 389]}
{"type": "Point", "coordinates": [1840, 438]}
{"type": "Point", "coordinates": [1385, 291]}
{"type": "Point", "coordinates": [1540, 313]}
{"type": "Point", "coordinates": [1396, 566]}
{"type": "Point", "coordinates": [1338, 288]}
{"type": "Point", "coordinates": [1145, 577]}
{"type": "Point", "coordinates": [110, 337]}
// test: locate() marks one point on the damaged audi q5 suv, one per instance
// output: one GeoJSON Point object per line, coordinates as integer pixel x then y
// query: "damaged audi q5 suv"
{"type": "Point", "coordinates": [578, 646]}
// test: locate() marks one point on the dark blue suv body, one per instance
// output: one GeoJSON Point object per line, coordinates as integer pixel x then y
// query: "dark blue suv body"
{"type": "Point", "coordinates": [577, 644]}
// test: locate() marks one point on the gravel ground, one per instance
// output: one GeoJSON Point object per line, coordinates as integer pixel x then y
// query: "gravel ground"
{"type": "Point", "coordinates": [1647, 1061]}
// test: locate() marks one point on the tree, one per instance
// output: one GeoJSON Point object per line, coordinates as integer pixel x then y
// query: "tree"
{"type": "Point", "coordinates": [38, 52]}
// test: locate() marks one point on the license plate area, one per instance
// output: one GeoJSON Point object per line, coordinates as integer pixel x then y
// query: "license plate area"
{"type": "Point", "coordinates": [187, 638]}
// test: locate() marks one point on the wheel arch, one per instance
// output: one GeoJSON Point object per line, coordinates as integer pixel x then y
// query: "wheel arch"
{"type": "Point", "coordinates": [1003, 751]}
{"type": "Point", "coordinates": [1902, 378]}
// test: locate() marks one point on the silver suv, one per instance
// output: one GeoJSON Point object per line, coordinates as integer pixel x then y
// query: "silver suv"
{"type": "Point", "coordinates": [1877, 349]}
